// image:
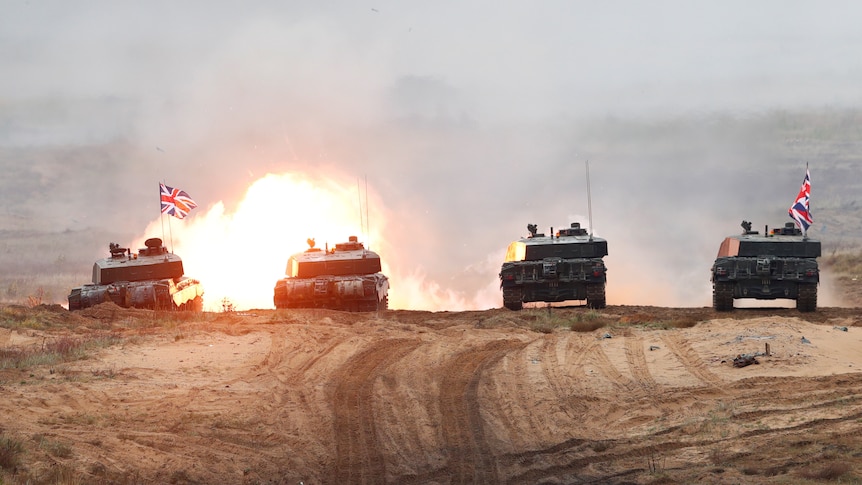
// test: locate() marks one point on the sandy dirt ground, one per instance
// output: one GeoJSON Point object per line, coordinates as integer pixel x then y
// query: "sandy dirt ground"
{"type": "Point", "coordinates": [316, 396]}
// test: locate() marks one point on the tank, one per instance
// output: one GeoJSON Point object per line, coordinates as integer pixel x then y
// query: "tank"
{"type": "Point", "coordinates": [347, 277]}
{"type": "Point", "coordinates": [780, 264]}
{"type": "Point", "coordinates": [153, 279]}
{"type": "Point", "coordinates": [564, 266]}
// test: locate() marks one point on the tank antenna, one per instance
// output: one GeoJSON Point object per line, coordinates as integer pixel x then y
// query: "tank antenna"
{"type": "Point", "coordinates": [359, 197]}
{"type": "Point", "coordinates": [367, 226]}
{"type": "Point", "coordinates": [363, 219]}
{"type": "Point", "coordinates": [589, 200]}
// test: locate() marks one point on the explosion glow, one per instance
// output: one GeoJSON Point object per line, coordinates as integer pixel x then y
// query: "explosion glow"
{"type": "Point", "coordinates": [239, 256]}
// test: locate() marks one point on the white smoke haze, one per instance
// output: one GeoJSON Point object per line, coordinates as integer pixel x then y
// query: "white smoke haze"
{"type": "Point", "coordinates": [468, 120]}
{"type": "Point", "coordinates": [240, 254]}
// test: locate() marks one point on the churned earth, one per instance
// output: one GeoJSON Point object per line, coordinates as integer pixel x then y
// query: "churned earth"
{"type": "Point", "coordinates": [562, 395]}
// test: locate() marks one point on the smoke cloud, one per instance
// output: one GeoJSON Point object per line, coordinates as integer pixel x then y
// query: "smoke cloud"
{"type": "Point", "coordinates": [469, 120]}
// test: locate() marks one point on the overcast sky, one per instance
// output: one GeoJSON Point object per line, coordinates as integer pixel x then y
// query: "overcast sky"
{"type": "Point", "coordinates": [483, 59]}
{"type": "Point", "coordinates": [468, 115]}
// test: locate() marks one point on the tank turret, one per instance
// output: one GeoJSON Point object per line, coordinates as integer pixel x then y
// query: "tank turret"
{"type": "Point", "coordinates": [346, 277]}
{"type": "Point", "coordinates": [781, 264]}
{"type": "Point", "coordinates": [152, 278]}
{"type": "Point", "coordinates": [567, 265]}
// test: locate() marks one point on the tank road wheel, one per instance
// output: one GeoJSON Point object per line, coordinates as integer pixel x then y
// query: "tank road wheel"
{"type": "Point", "coordinates": [512, 299]}
{"type": "Point", "coordinates": [596, 296]}
{"type": "Point", "coordinates": [722, 297]}
{"type": "Point", "coordinates": [806, 300]}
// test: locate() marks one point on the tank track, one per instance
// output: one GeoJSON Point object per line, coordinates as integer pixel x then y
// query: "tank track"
{"type": "Point", "coordinates": [806, 299]}
{"type": "Point", "coordinates": [512, 299]}
{"type": "Point", "coordinates": [364, 305]}
{"type": "Point", "coordinates": [75, 299]}
{"type": "Point", "coordinates": [596, 296]}
{"type": "Point", "coordinates": [195, 305]}
{"type": "Point", "coordinates": [722, 297]}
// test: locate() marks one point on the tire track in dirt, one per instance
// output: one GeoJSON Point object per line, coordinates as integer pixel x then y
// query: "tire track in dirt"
{"type": "Point", "coordinates": [276, 365]}
{"type": "Point", "coordinates": [358, 453]}
{"type": "Point", "coordinates": [689, 358]}
{"type": "Point", "coordinates": [572, 458]}
{"type": "Point", "coordinates": [323, 353]}
{"type": "Point", "coordinates": [275, 353]}
{"type": "Point", "coordinates": [561, 382]}
{"type": "Point", "coordinates": [634, 348]}
{"type": "Point", "coordinates": [595, 355]}
{"type": "Point", "coordinates": [470, 456]}
{"type": "Point", "coordinates": [807, 398]}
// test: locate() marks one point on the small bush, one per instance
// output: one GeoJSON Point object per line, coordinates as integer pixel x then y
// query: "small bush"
{"type": "Point", "coordinates": [684, 322]}
{"type": "Point", "coordinates": [10, 451]}
{"type": "Point", "coordinates": [55, 448]}
{"type": "Point", "coordinates": [37, 298]}
{"type": "Point", "coordinates": [600, 446]}
{"type": "Point", "coordinates": [227, 306]}
{"type": "Point", "coordinates": [832, 471]}
{"type": "Point", "coordinates": [62, 474]}
{"type": "Point", "coordinates": [589, 321]}
{"type": "Point", "coordinates": [587, 326]}
{"type": "Point", "coordinates": [543, 326]}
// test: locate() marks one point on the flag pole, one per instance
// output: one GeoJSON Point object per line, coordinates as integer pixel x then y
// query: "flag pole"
{"type": "Point", "coordinates": [171, 233]}
{"type": "Point", "coordinates": [808, 176]}
{"type": "Point", "coordinates": [161, 214]}
{"type": "Point", "coordinates": [170, 228]}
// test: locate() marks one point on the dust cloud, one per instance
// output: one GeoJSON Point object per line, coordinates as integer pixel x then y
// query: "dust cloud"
{"type": "Point", "coordinates": [468, 120]}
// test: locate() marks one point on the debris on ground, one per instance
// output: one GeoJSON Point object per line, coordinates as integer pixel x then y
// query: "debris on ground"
{"type": "Point", "coordinates": [743, 360]}
{"type": "Point", "coordinates": [843, 329]}
{"type": "Point", "coordinates": [654, 347]}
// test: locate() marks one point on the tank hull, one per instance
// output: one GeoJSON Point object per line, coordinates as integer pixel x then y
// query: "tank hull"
{"type": "Point", "coordinates": [348, 293]}
{"type": "Point", "coordinates": [554, 280]}
{"type": "Point", "coordinates": [185, 295]}
{"type": "Point", "coordinates": [765, 278]}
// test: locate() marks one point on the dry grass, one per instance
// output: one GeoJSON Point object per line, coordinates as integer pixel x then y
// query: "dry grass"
{"type": "Point", "coordinates": [53, 447]}
{"type": "Point", "coordinates": [10, 453]}
{"type": "Point", "coordinates": [548, 320]}
{"type": "Point", "coordinates": [847, 263]}
{"type": "Point", "coordinates": [55, 351]}
{"type": "Point", "coordinates": [829, 471]}
{"type": "Point", "coordinates": [651, 321]}
{"type": "Point", "coordinates": [590, 320]}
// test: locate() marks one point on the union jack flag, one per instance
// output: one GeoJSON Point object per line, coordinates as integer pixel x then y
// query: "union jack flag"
{"type": "Point", "coordinates": [175, 202]}
{"type": "Point", "coordinates": [799, 210]}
